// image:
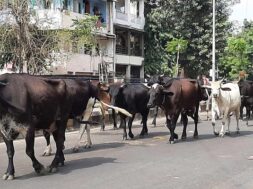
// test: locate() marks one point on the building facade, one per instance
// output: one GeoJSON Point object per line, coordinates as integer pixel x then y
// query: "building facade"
{"type": "Point", "coordinates": [119, 37]}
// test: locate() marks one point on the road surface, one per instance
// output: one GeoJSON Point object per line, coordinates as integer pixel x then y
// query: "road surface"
{"type": "Point", "coordinates": [208, 162]}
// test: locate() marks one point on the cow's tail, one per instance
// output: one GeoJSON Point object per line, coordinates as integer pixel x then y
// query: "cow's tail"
{"type": "Point", "coordinates": [117, 109]}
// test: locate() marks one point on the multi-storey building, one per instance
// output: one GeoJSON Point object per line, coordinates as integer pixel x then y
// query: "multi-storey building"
{"type": "Point", "coordinates": [120, 36]}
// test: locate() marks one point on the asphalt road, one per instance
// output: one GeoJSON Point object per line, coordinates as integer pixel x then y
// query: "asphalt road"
{"type": "Point", "coordinates": [208, 162]}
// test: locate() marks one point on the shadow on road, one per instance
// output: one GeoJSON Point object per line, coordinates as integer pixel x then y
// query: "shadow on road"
{"type": "Point", "coordinates": [71, 166]}
{"type": "Point", "coordinates": [95, 147]}
{"type": "Point", "coordinates": [84, 163]}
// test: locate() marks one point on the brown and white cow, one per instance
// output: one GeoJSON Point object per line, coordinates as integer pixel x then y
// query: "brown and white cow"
{"type": "Point", "coordinates": [175, 97]}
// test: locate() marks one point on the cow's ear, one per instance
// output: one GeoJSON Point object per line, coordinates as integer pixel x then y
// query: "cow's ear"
{"type": "Point", "coordinates": [169, 93]}
{"type": "Point", "coordinates": [225, 89]}
{"type": "Point", "coordinates": [103, 87]}
{"type": "Point", "coordinates": [192, 81]}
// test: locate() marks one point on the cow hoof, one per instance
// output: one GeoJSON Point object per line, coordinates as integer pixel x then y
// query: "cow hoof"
{"type": "Point", "coordinates": [216, 133]}
{"type": "Point", "coordinates": [10, 177]}
{"type": "Point", "coordinates": [46, 154]}
{"type": "Point", "coordinates": [52, 169]}
{"type": "Point", "coordinates": [183, 138]}
{"type": "Point", "coordinates": [175, 136]}
{"type": "Point", "coordinates": [131, 135]}
{"type": "Point", "coordinates": [75, 150]}
{"type": "Point", "coordinates": [6, 176]}
{"type": "Point", "coordinates": [172, 142]}
{"type": "Point", "coordinates": [61, 164]}
{"type": "Point", "coordinates": [87, 146]}
{"type": "Point", "coordinates": [222, 134]}
{"type": "Point", "coordinates": [39, 169]}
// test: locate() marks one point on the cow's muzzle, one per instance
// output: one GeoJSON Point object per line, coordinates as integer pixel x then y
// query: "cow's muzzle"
{"type": "Point", "coordinates": [215, 95]}
{"type": "Point", "coordinates": [149, 105]}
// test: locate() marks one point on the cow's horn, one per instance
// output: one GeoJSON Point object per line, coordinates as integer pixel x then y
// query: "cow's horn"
{"type": "Point", "coordinates": [117, 109]}
{"type": "Point", "coordinates": [206, 86]}
{"type": "Point", "coordinates": [3, 84]}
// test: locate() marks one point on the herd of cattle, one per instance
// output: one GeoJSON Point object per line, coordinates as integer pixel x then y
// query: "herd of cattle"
{"type": "Point", "coordinates": [29, 103]}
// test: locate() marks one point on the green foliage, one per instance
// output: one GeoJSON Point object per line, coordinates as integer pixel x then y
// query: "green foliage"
{"type": "Point", "coordinates": [190, 20]}
{"type": "Point", "coordinates": [22, 42]}
{"type": "Point", "coordinates": [238, 53]}
{"type": "Point", "coordinates": [83, 35]}
{"type": "Point", "coordinates": [176, 45]}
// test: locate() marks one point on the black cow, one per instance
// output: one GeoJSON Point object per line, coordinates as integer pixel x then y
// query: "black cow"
{"type": "Point", "coordinates": [134, 99]}
{"type": "Point", "coordinates": [246, 92]}
{"type": "Point", "coordinates": [28, 103]}
{"type": "Point", "coordinates": [79, 92]}
{"type": "Point", "coordinates": [161, 80]}
{"type": "Point", "coordinates": [175, 97]}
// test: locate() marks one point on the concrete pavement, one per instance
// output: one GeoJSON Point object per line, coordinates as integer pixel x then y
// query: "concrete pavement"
{"type": "Point", "coordinates": [208, 162]}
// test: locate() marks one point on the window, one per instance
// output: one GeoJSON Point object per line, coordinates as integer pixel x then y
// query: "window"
{"type": "Point", "coordinates": [120, 6]}
{"type": "Point", "coordinates": [120, 71]}
{"type": "Point", "coordinates": [134, 8]}
{"type": "Point", "coordinates": [135, 44]}
{"type": "Point", "coordinates": [121, 41]}
{"type": "Point", "coordinates": [87, 6]}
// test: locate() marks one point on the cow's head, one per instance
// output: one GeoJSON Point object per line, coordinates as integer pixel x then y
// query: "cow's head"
{"type": "Point", "coordinates": [155, 79]}
{"type": "Point", "coordinates": [217, 87]}
{"type": "Point", "coordinates": [103, 92]}
{"type": "Point", "coordinates": [157, 93]}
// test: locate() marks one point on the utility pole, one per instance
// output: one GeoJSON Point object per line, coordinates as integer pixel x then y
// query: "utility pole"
{"type": "Point", "coordinates": [213, 47]}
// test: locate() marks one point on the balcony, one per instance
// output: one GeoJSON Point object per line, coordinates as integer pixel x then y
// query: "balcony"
{"type": "Point", "coordinates": [121, 16]}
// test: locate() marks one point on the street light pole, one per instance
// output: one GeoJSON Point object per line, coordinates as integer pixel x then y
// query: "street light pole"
{"type": "Point", "coordinates": [213, 47]}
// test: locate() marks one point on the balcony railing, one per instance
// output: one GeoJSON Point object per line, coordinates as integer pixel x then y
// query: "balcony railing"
{"type": "Point", "coordinates": [121, 50]}
{"type": "Point", "coordinates": [121, 16]}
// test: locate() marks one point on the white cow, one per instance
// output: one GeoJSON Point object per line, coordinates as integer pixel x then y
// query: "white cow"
{"type": "Point", "coordinates": [226, 99]}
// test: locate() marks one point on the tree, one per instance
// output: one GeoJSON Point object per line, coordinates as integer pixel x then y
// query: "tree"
{"type": "Point", "coordinates": [190, 20]}
{"type": "Point", "coordinates": [23, 41]}
{"type": "Point", "coordinates": [176, 46]}
{"type": "Point", "coordinates": [238, 53]}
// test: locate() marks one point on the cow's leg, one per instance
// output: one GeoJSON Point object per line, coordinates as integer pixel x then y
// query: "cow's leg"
{"type": "Point", "coordinates": [9, 174]}
{"type": "Point", "coordinates": [225, 117]}
{"type": "Point", "coordinates": [144, 130]}
{"type": "Point", "coordinates": [228, 130]}
{"type": "Point", "coordinates": [123, 120]}
{"type": "Point", "coordinates": [80, 135]}
{"type": "Point", "coordinates": [247, 114]}
{"type": "Point", "coordinates": [185, 122]}
{"type": "Point", "coordinates": [214, 113]}
{"type": "Point", "coordinates": [88, 143]}
{"type": "Point", "coordinates": [207, 108]}
{"type": "Point", "coordinates": [155, 116]}
{"type": "Point", "coordinates": [103, 118]}
{"type": "Point", "coordinates": [48, 150]}
{"type": "Point", "coordinates": [122, 123]}
{"type": "Point", "coordinates": [59, 137]}
{"type": "Point", "coordinates": [196, 120]}
{"type": "Point", "coordinates": [38, 167]}
{"type": "Point", "coordinates": [130, 122]}
{"type": "Point", "coordinates": [241, 112]}
{"type": "Point", "coordinates": [237, 115]}
{"type": "Point", "coordinates": [114, 117]}
{"type": "Point", "coordinates": [171, 124]}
